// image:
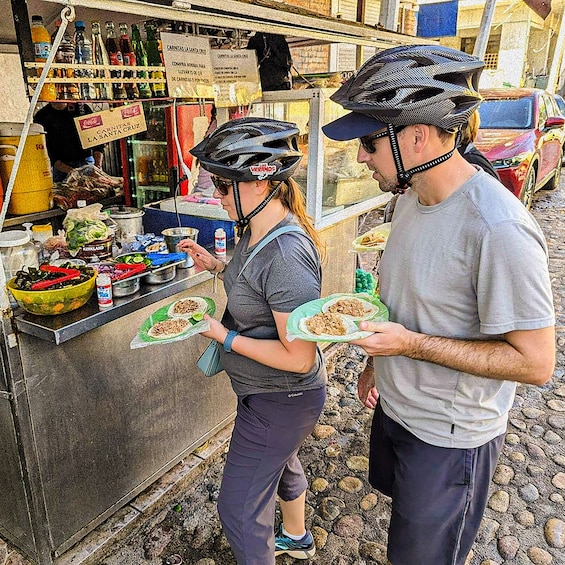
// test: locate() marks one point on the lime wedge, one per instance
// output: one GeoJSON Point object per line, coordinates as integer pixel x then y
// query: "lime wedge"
{"type": "Point", "coordinates": [198, 316]}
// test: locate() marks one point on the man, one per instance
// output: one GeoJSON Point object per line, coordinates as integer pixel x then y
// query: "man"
{"type": "Point", "coordinates": [465, 278]}
{"type": "Point", "coordinates": [63, 143]}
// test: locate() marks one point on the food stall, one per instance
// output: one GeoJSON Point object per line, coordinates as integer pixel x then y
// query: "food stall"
{"type": "Point", "coordinates": [86, 421]}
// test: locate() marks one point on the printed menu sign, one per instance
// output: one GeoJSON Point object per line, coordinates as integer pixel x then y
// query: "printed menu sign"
{"type": "Point", "coordinates": [109, 125]}
{"type": "Point", "coordinates": [236, 77]}
{"type": "Point", "coordinates": [188, 66]}
{"type": "Point", "coordinates": [194, 70]}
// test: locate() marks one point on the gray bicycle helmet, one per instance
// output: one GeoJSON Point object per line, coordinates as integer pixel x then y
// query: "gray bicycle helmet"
{"type": "Point", "coordinates": [412, 84]}
{"type": "Point", "coordinates": [248, 149]}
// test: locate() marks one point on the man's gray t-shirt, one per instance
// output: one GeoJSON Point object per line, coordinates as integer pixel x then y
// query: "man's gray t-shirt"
{"type": "Point", "coordinates": [285, 274]}
{"type": "Point", "coordinates": [472, 267]}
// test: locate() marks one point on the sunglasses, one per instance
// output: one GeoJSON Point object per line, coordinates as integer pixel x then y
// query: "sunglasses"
{"type": "Point", "coordinates": [368, 141]}
{"type": "Point", "coordinates": [222, 185]}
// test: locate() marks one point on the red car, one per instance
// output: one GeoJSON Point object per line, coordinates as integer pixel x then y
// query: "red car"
{"type": "Point", "coordinates": [522, 133]}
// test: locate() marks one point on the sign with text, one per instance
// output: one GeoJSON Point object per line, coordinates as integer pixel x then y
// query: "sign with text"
{"type": "Point", "coordinates": [188, 66]}
{"type": "Point", "coordinates": [236, 77]}
{"type": "Point", "coordinates": [109, 125]}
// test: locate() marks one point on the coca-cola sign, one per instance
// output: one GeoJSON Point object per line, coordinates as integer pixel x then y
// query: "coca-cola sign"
{"type": "Point", "coordinates": [90, 122]}
{"type": "Point", "coordinates": [130, 111]}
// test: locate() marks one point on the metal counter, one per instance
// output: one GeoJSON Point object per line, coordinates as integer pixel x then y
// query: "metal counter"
{"type": "Point", "coordinates": [86, 423]}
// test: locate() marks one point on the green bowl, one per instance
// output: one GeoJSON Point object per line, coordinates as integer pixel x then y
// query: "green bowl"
{"type": "Point", "coordinates": [53, 302]}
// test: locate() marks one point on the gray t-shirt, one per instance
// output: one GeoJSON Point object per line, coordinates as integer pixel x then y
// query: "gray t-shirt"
{"type": "Point", "coordinates": [285, 274]}
{"type": "Point", "coordinates": [474, 266]}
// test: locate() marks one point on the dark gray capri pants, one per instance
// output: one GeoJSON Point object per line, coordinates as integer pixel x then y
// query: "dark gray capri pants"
{"type": "Point", "coordinates": [262, 462]}
{"type": "Point", "coordinates": [438, 494]}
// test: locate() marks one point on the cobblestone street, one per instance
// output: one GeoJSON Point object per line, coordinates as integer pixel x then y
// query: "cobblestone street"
{"type": "Point", "coordinates": [525, 519]}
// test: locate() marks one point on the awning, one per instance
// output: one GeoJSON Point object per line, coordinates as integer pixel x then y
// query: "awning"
{"type": "Point", "coordinates": [256, 15]}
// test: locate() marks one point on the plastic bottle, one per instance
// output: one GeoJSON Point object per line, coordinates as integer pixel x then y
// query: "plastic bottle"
{"type": "Point", "coordinates": [42, 47]}
{"type": "Point", "coordinates": [100, 57]}
{"type": "Point", "coordinates": [141, 58]}
{"type": "Point", "coordinates": [130, 59]}
{"type": "Point", "coordinates": [116, 58]}
{"type": "Point", "coordinates": [154, 60]}
{"type": "Point", "coordinates": [220, 242]}
{"type": "Point", "coordinates": [83, 56]}
{"type": "Point", "coordinates": [104, 291]}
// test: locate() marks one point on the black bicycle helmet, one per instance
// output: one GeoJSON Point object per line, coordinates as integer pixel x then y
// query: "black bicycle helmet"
{"type": "Point", "coordinates": [415, 84]}
{"type": "Point", "coordinates": [248, 149]}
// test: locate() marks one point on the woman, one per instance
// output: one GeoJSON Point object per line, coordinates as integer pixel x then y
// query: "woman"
{"type": "Point", "coordinates": [280, 385]}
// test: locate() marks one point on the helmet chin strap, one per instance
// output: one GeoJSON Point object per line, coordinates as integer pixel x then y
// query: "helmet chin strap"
{"type": "Point", "coordinates": [405, 177]}
{"type": "Point", "coordinates": [243, 221]}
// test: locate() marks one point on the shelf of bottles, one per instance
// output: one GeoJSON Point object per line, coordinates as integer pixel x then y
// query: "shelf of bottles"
{"type": "Point", "coordinates": [113, 69]}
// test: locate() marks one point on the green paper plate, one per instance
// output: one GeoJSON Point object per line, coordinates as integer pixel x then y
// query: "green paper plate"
{"type": "Point", "coordinates": [315, 307]}
{"type": "Point", "coordinates": [163, 314]}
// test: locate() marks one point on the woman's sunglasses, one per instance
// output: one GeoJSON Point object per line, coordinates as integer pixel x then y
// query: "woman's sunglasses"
{"type": "Point", "coordinates": [222, 185]}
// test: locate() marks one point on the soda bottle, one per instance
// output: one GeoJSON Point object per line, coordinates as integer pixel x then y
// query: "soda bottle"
{"type": "Point", "coordinates": [116, 58]}
{"type": "Point", "coordinates": [128, 54]}
{"type": "Point", "coordinates": [83, 56]}
{"type": "Point", "coordinates": [42, 47]}
{"type": "Point", "coordinates": [141, 58]}
{"type": "Point", "coordinates": [154, 60]}
{"type": "Point", "coordinates": [100, 57]}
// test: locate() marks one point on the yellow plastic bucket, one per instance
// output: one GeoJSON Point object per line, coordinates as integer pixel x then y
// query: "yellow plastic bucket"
{"type": "Point", "coordinates": [32, 188]}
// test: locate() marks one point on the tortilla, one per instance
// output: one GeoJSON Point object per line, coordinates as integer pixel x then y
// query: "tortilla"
{"type": "Point", "coordinates": [373, 240]}
{"type": "Point", "coordinates": [337, 324]}
{"type": "Point", "coordinates": [347, 306]}
{"type": "Point", "coordinates": [169, 328]}
{"type": "Point", "coordinates": [188, 306]}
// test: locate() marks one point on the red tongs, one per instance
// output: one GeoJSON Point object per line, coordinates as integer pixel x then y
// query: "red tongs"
{"type": "Point", "coordinates": [66, 275]}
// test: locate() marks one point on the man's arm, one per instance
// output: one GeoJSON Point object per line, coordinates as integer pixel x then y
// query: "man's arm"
{"type": "Point", "coordinates": [525, 356]}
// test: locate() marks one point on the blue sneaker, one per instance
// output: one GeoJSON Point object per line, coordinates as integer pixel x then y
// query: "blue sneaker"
{"type": "Point", "coordinates": [299, 549]}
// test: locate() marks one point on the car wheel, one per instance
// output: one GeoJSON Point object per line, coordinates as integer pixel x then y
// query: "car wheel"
{"type": "Point", "coordinates": [528, 189]}
{"type": "Point", "coordinates": [553, 183]}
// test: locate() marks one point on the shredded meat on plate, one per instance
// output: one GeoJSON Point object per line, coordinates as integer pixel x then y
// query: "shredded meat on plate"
{"type": "Point", "coordinates": [349, 306]}
{"type": "Point", "coordinates": [169, 327]}
{"type": "Point", "coordinates": [326, 323]}
{"type": "Point", "coordinates": [186, 306]}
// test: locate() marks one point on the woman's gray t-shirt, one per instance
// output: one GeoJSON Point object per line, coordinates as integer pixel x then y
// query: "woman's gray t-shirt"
{"type": "Point", "coordinates": [285, 274]}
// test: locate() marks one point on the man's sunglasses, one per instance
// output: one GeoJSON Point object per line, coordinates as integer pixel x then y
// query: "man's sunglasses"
{"type": "Point", "coordinates": [222, 185]}
{"type": "Point", "coordinates": [368, 141]}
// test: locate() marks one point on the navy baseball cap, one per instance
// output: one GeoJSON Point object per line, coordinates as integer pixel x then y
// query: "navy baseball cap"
{"type": "Point", "coordinates": [352, 126]}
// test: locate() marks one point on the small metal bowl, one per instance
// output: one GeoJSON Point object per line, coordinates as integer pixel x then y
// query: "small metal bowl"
{"type": "Point", "coordinates": [163, 274]}
{"type": "Point", "coordinates": [126, 287]}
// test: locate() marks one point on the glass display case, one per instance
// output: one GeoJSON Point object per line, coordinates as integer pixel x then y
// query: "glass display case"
{"type": "Point", "coordinates": [336, 185]}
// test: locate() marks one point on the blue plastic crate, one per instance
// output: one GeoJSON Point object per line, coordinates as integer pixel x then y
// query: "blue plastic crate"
{"type": "Point", "coordinates": [156, 220]}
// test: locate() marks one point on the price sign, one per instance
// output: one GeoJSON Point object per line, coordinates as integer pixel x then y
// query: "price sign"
{"type": "Point", "coordinates": [188, 66]}
{"type": "Point", "coordinates": [236, 77]}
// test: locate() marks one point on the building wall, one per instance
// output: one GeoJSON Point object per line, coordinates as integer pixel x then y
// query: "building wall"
{"type": "Point", "coordinates": [12, 89]}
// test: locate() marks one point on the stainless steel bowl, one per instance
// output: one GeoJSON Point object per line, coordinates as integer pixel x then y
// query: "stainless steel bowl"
{"type": "Point", "coordinates": [164, 274]}
{"type": "Point", "coordinates": [126, 287]}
